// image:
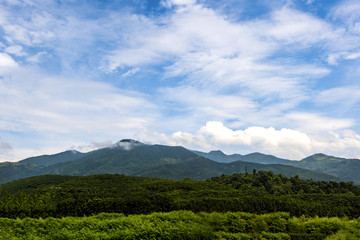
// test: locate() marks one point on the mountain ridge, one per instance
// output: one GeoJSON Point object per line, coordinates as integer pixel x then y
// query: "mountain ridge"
{"type": "Point", "coordinates": [131, 157]}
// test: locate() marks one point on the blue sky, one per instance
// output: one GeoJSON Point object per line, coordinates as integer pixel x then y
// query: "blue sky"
{"type": "Point", "coordinates": [278, 77]}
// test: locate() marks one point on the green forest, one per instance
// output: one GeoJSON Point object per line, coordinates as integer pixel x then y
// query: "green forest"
{"type": "Point", "coordinates": [257, 205]}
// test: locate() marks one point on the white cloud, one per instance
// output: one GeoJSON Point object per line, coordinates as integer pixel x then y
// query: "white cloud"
{"type": "Point", "coordinates": [75, 108]}
{"type": "Point", "coordinates": [169, 3]}
{"type": "Point", "coordinates": [36, 58]}
{"type": "Point", "coordinates": [354, 55]}
{"type": "Point", "coordinates": [203, 65]}
{"type": "Point", "coordinates": [295, 27]}
{"type": "Point", "coordinates": [285, 143]}
{"type": "Point", "coordinates": [206, 103]}
{"type": "Point", "coordinates": [131, 72]}
{"type": "Point", "coordinates": [342, 100]}
{"type": "Point", "coordinates": [347, 95]}
{"type": "Point", "coordinates": [92, 146]}
{"type": "Point", "coordinates": [6, 61]}
{"type": "Point", "coordinates": [17, 50]}
{"type": "Point", "coordinates": [311, 122]}
{"type": "Point", "coordinates": [348, 11]}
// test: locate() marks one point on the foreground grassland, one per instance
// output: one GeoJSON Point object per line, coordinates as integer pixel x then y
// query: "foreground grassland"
{"type": "Point", "coordinates": [181, 225]}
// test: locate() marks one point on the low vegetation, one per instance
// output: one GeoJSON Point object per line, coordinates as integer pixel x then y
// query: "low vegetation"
{"type": "Point", "coordinates": [181, 225]}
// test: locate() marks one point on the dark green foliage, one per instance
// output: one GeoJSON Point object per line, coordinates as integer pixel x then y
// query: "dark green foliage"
{"type": "Point", "coordinates": [278, 184]}
{"type": "Point", "coordinates": [262, 192]}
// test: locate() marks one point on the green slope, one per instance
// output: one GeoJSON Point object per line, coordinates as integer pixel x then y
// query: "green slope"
{"type": "Point", "coordinates": [10, 171]}
{"type": "Point", "coordinates": [47, 160]}
{"type": "Point", "coordinates": [119, 160]}
{"type": "Point", "coordinates": [347, 169]}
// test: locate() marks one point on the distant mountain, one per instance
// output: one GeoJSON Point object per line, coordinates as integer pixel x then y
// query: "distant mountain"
{"type": "Point", "coordinates": [264, 159]}
{"type": "Point", "coordinates": [134, 158]}
{"type": "Point", "coordinates": [47, 160]}
{"type": "Point", "coordinates": [348, 169]}
{"type": "Point", "coordinates": [10, 171]}
{"type": "Point", "coordinates": [126, 157]}
{"type": "Point", "coordinates": [202, 168]}
{"type": "Point", "coordinates": [219, 156]}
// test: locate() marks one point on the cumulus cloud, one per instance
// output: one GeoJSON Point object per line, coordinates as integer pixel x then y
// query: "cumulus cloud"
{"type": "Point", "coordinates": [284, 142]}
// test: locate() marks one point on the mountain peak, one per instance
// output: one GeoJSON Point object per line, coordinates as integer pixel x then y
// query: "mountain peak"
{"type": "Point", "coordinates": [128, 144]}
{"type": "Point", "coordinates": [218, 152]}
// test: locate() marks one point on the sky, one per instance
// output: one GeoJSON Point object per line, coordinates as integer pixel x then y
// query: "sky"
{"type": "Point", "coordinates": [277, 77]}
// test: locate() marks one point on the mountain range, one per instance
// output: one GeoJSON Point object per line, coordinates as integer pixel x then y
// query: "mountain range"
{"type": "Point", "coordinates": [130, 157]}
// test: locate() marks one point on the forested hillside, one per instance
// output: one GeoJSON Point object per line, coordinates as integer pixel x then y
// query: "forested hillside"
{"type": "Point", "coordinates": [262, 192]}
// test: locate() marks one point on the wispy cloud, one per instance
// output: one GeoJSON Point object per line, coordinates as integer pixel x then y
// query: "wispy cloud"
{"type": "Point", "coordinates": [193, 72]}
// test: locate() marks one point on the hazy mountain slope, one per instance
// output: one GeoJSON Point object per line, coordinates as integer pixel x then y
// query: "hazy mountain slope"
{"type": "Point", "coordinates": [202, 168]}
{"type": "Point", "coordinates": [219, 156]}
{"type": "Point", "coordinates": [47, 160]}
{"type": "Point", "coordinates": [263, 159]}
{"type": "Point", "coordinates": [348, 169]}
{"type": "Point", "coordinates": [11, 171]}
